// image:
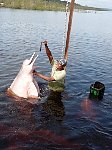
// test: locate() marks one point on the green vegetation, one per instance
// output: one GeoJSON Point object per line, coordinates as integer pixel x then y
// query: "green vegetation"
{"type": "Point", "coordinates": [55, 5]}
{"type": "Point", "coordinates": [34, 4]}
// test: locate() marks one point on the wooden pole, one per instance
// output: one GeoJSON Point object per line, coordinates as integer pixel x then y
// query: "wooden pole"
{"type": "Point", "coordinates": [69, 28]}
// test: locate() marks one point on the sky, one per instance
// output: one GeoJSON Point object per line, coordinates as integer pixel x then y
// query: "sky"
{"type": "Point", "coordinates": [96, 3]}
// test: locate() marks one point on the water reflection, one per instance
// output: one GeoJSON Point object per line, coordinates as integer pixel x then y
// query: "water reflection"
{"type": "Point", "coordinates": [54, 105]}
{"type": "Point", "coordinates": [21, 116]}
{"type": "Point", "coordinates": [21, 124]}
{"type": "Point", "coordinates": [88, 109]}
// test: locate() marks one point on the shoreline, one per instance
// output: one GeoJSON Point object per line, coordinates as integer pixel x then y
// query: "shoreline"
{"type": "Point", "coordinates": [46, 6]}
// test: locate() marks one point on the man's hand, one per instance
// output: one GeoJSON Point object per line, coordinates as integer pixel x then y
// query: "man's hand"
{"type": "Point", "coordinates": [48, 52]}
{"type": "Point", "coordinates": [45, 42]}
{"type": "Point", "coordinates": [34, 72]}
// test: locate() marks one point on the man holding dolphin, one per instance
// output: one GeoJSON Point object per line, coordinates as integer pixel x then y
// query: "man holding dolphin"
{"type": "Point", "coordinates": [57, 78]}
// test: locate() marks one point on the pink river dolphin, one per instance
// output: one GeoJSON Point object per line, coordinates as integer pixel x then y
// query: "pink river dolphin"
{"type": "Point", "coordinates": [24, 85]}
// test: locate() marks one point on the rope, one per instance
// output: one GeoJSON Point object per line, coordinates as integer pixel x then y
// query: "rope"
{"type": "Point", "coordinates": [65, 28]}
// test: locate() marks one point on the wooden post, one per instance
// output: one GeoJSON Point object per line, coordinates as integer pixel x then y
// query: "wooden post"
{"type": "Point", "coordinates": [69, 28]}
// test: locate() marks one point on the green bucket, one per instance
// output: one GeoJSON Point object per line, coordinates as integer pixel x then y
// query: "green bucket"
{"type": "Point", "coordinates": [97, 90]}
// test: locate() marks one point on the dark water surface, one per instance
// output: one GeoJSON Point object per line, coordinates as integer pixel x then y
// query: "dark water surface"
{"type": "Point", "coordinates": [69, 121]}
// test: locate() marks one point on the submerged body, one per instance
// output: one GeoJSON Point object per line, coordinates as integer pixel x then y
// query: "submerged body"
{"type": "Point", "coordinates": [24, 85]}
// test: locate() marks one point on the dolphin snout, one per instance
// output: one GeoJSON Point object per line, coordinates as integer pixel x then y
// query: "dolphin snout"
{"type": "Point", "coordinates": [33, 58]}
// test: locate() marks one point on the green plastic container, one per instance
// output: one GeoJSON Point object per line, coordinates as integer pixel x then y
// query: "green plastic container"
{"type": "Point", "coordinates": [97, 90]}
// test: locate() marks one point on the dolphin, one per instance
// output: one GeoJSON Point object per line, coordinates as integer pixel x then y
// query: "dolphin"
{"type": "Point", "coordinates": [24, 85]}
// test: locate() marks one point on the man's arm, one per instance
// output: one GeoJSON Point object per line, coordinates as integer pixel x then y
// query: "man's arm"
{"type": "Point", "coordinates": [43, 76]}
{"type": "Point", "coordinates": [48, 52]}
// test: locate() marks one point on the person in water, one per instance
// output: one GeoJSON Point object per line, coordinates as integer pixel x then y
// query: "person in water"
{"type": "Point", "coordinates": [57, 78]}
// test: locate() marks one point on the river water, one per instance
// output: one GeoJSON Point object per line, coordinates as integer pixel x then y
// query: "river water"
{"type": "Point", "coordinates": [69, 121]}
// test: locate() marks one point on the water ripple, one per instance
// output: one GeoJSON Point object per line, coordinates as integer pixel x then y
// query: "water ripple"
{"type": "Point", "coordinates": [72, 117]}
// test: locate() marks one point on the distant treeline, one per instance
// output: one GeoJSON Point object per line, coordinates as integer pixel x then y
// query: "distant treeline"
{"type": "Point", "coordinates": [34, 4]}
{"type": "Point", "coordinates": [41, 5]}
